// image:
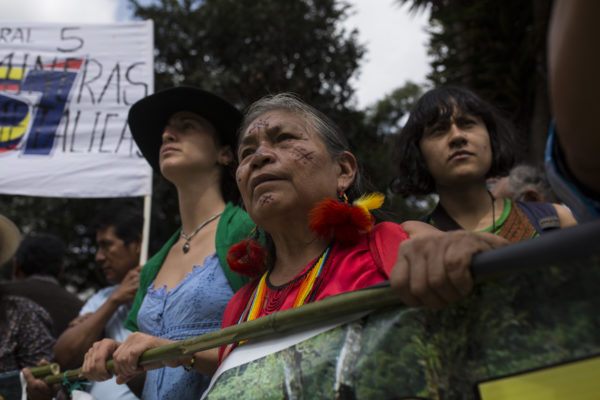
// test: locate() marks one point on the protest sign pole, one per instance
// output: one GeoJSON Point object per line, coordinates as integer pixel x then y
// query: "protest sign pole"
{"type": "Point", "coordinates": [148, 197]}
{"type": "Point", "coordinates": [146, 228]}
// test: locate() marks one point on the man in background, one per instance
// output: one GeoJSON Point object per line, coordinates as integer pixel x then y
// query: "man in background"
{"type": "Point", "coordinates": [118, 237]}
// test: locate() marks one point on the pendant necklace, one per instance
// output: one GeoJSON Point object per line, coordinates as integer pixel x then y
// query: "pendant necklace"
{"type": "Point", "coordinates": [186, 245]}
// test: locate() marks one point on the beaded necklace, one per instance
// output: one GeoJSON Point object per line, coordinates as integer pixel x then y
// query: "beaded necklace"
{"type": "Point", "coordinates": [305, 289]}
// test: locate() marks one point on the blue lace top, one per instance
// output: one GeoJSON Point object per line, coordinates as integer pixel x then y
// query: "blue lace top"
{"type": "Point", "coordinates": [195, 306]}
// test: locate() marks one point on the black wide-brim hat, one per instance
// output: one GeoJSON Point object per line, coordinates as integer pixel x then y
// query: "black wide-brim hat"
{"type": "Point", "coordinates": [148, 117]}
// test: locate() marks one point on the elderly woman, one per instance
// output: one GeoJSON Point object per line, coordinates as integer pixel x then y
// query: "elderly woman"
{"type": "Point", "coordinates": [291, 158]}
{"type": "Point", "coordinates": [294, 164]}
{"type": "Point", "coordinates": [452, 142]}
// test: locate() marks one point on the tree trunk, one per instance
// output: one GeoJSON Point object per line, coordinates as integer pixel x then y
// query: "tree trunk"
{"type": "Point", "coordinates": [344, 379]}
{"type": "Point", "coordinates": [292, 373]}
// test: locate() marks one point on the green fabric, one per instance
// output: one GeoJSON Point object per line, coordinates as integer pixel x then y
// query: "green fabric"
{"type": "Point", "coordinates": [234, 226]}
{"type": "Point", "coordinates": [502, 219]}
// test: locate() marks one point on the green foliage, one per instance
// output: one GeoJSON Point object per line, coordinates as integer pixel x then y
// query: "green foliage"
{"type": "Point", "coordinates": [383, 123]}
{"type": "Point", "coordinates": [67, 219]}
{"type": "Point", "coordinates": [246, 49]}
{"type": "Point", "coordinates": [385, 117]}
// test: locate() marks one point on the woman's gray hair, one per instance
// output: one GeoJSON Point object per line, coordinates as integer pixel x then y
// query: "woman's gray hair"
{"type": "Point", "coordinates": [525, 177]}
{"type": "Point", "coordinates": [333, 137]}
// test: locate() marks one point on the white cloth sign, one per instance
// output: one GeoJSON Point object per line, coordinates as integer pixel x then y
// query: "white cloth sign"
{"type": "Point", "coordinates": [65, 91]}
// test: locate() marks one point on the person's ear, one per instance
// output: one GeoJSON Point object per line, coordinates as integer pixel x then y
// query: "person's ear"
{"type": "Point", "coordinates": [225, 156]}
{"type": "Point", "coordinates": [531, 195]}
{"type": "Point", "coordinates": [347, 171]}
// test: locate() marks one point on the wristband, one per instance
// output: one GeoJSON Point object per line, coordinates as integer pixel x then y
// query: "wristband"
{"type": "Point", "coordinates": [190, 366]}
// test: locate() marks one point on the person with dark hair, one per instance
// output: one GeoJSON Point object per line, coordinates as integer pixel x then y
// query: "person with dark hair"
{"type": "Point", "coordinates": [25, 327]}
{"type": "Point", "coordinates": [118, 228]}
{"type": "Point", "coordinates": [297, 177]}
{"type": "Point", "coordinates": [25, 333]}
{"type": "Point", "coordinates": [37, 265]}
{"type": "Point", "coordinates": [187, 135]}
{"type": "Point", "coordinates": [124, 216]}
{"type": "Point", "coordinates": [39, 254]}
{"type": "Point", "coordinates": [452, 142]}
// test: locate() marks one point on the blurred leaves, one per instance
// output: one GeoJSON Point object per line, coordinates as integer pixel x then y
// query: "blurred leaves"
{"type": "Point", "coordinates": [244, 50]}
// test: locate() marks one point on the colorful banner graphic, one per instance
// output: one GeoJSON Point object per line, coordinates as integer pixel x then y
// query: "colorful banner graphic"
{"type": "Point", "coordinates": [65, 91]}
{"type": "Point", "coordinates": [528, 335]}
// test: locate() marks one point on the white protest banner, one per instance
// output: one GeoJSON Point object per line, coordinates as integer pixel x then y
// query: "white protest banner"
{"type": "Point", "coordinates": [65, 90]}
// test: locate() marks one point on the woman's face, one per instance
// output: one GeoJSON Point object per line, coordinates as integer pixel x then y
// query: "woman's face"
{"type": "Point", "coordinates": [457, 150]}
{"type": "Point", "coordinates": [188, 144]}
{"type": "Point", "coordinates": [284, 167]}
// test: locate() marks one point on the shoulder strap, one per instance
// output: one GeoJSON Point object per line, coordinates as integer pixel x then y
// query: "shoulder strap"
{"type": "Point", "coordinates": [441, 220]}
{"type": "Point", "coordinates": [542, 215]}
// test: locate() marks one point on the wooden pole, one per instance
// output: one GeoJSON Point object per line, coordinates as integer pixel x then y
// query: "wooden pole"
{"type": "Point", "coordinates": [279, 322]}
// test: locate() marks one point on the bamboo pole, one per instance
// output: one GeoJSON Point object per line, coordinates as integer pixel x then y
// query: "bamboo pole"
{"type": "Point", "coordinates": [44, 370]}
{"type": "Point", "coordinates": [556, 248]}
{"type": "Point", "coordinates": [279, 322]}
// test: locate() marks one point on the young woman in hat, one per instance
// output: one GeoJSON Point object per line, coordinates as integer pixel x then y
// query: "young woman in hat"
{"type": "Point", "coordinates": [188, 135]}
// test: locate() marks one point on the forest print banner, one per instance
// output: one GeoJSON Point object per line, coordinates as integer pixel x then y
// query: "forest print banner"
{"type": "Point", "coordinates": [65, 91]}
{"type": "Point", "coordinates": [531, 335]}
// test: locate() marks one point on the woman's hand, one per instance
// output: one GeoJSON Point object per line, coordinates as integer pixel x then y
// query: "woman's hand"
{"type": "Point", "coordinates": [127, 355]}
{"type": "Point", "coordinates": [94, 361]}
{"type": "Point", "coordinates": [432, 268]}
{"type": "Point", "coordinates": [37, 389]}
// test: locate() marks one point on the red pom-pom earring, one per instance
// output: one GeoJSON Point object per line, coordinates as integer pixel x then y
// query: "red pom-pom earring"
{"type": "Point", "coordinates": [247, 257]}
{"type": "Point", "coordinates": [345, 222]}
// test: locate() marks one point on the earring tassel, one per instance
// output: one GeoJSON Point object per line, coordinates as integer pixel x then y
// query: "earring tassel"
{"type": "Point", "coordinates": [247, 258]}
{"type": "Point", "coordinates": [345, 222]}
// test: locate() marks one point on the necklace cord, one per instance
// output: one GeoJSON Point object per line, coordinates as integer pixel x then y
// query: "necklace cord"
{"type": "Point", "coordinates": [186, 245]}
{"type": "Point", "coordinates": [493, 211]}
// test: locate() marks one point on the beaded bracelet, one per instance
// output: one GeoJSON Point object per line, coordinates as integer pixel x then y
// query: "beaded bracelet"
{"type": "Point", "coordinates": [190, 367]}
